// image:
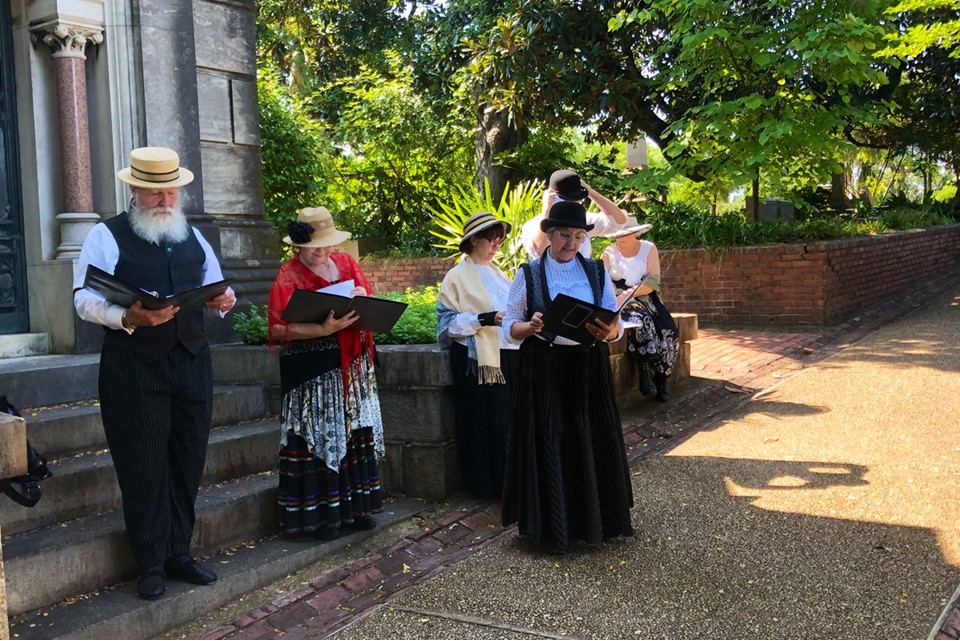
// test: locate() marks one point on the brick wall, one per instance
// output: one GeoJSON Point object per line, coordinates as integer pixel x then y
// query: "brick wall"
{"type": "Point", "coordinates": [799, 284]}
{"type": "Point", "coordinates": [812, 283]}
{"type": "Point", "coordinates": [395, 275]}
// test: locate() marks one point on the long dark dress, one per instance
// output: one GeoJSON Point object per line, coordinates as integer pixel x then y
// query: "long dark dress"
{"type": "Point", "coordinates": [567, 472]}
{"type": "Point", "coordinates": [484, 414]}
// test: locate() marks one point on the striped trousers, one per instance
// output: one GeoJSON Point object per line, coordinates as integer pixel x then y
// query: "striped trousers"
{"type": "Point", "coordinates": [156, 416]}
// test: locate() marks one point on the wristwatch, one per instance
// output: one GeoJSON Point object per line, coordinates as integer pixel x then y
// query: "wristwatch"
{"type": "Point", "coordinates": [127, 325]}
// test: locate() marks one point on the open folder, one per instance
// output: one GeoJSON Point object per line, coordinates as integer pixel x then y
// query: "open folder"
{"type": "Point", "coordinates": [568, 316]}
{"type": "Point", "coordinates": [124, 294]}
{"type": "Point", "coordinates": [375, 314]}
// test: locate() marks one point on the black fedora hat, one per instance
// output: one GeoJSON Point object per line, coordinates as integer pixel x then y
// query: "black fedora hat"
{"type": "Point", "coordinates": [566, 213]}
{"type": "Point", "coordinates": [567, 185]}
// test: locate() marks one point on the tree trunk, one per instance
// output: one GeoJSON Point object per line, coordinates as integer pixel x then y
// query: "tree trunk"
{"type": "Point", "coordinates": [838, 191]}
{"type": "Point", "coordinates": [755, 214]}
{"type": "Point", "coordinates": [494, 135]}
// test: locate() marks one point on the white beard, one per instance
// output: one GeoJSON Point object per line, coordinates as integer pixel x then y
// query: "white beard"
{"type": "Point", "coordinates": [159, 224]}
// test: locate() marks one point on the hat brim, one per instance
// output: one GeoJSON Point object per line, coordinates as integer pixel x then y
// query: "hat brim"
{"type": "Point", "coordinates": [575, 195]}
{"type": "Point", "coordinates": [327, 240]}
{"type": "Point", "coordinates": [546, 225]}
{"type": "Point", "coordinates": [631, 231]}
{"type": "Point", "coordinates": [464, 242]}
{"type": "Point", "coordinates": [186, 177]}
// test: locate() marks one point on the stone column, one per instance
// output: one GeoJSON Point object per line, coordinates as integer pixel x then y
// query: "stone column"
{"type": "Point", "coordinates": [69, 44]}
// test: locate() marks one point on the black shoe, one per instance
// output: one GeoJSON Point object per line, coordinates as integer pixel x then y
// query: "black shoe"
{"type": "Point", "coordinates": [184, 568]}
{"type": "Point", "coordinates": [327, 533]}
{"type": "Point", "coordinates": [150, 585]}
{"type": "Point", "coordinates": [363, 523]}
{"type": "Point", "coordinates": [661, 380]}
{"type": "Point", "coordinates": [646, 385]}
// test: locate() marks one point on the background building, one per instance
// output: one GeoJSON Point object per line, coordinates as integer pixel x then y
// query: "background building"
{"type": "Point", "coordinates": [82, 82]}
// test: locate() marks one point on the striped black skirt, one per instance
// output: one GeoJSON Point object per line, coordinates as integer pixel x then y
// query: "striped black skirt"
{"type": "Point", "coordinates": [567, 477]}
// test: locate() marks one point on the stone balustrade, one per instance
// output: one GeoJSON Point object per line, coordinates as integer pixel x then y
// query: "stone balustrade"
{"type": "Point", "coordinates": [417, 403]}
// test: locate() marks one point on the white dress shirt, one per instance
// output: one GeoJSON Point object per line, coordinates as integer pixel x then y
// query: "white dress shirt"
{"type": "Point", "coordinates": [100, 250]}
{"type": "Point", "coordinates": [602, 225]}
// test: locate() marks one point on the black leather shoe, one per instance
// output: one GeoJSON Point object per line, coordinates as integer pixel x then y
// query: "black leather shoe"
{"type": "Point", "coordinates": [363, 523]}
{"type": "Point", "coordinates": [150, 585]}
{"type": "Point", "coordinates": [646, 384]}
{"type": "Point", "coordinates": [661, 381]}
{"type": "Point", "coordinates": [184, 568]}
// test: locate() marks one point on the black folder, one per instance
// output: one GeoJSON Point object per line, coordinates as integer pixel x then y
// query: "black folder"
{"type": "Point", "coordinates": [375, 314]}
{"type": "Point", "coordinates": [568, 316]}
{"type": "Point", "coordinates": [124, 294]}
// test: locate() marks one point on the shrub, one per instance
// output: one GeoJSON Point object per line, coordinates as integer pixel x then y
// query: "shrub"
{"type": "Point", "coordinates": [251, 325]}
{"type": "Point", "coordinates": [418, 324]}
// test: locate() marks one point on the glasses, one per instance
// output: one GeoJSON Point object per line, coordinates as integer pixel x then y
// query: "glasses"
{"type": "Point", "coordinates": [566, 237]}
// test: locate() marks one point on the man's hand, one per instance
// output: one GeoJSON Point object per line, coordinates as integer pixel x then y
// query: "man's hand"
{"type": "Point", "coordinates": [223, 303]}
{"type": "Point", "coordinates": [138, 316]}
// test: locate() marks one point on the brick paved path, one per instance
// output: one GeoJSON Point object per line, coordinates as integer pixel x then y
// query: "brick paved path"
{"type": "Point", "coordinates": [729, 367]}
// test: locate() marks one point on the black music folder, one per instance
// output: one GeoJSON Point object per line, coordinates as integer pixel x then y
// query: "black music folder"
{"type": "Point", "coordinates": [124, 294]}
{"type": "Point", "coordinates": [568, 316]}
{"type": "Point", "coordinates": [376, 314]}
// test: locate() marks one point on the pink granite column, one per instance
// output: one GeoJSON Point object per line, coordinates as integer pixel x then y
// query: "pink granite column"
{"type": "Point", "coordinates": [76, 178]}
{"type": "Point", "coordinates": [69, 44]}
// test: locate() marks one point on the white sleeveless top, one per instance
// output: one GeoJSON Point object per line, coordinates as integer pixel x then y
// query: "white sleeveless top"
{"type": "Point", "coordinates": [632, 269]}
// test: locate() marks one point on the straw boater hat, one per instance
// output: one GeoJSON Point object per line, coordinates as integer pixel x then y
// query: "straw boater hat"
{"type": "Point", "coordinates": [314, 228]}
{"type": "Point", "coordinates": [630, 228]}
{"type": "Point", "coordinates": [476, 224]}
{"type": "Point", "coordinates": [155, 168]}
{"type": "Point", "coordinates": [566, 213]}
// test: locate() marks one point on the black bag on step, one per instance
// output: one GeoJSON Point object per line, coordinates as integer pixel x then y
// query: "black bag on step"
{"type": "Point", "coordinates": [25, 489]}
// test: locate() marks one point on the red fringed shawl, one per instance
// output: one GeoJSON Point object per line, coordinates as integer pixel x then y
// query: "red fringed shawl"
{"type": "Point", "coordinates": [293, 275]}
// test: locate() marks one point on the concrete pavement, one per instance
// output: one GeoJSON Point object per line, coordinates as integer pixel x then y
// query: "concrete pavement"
{"type": "Point", "coordinates": [824, 508]}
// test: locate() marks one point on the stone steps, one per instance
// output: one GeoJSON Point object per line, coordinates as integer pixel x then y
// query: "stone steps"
{"type": "Point", "coordinates": [87, 484]}
{"type": "Point", "coordinates": [39, 381]}
{"type": "Point", "coordinates": [49, 564]}
{"type": "Point", "coordinates": [117, 613]}
{"type": "Point", "coordinates": [73, 428]}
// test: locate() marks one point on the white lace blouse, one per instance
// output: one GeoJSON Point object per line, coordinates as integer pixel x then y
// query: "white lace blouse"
{"type": "Point", "coordinates": [562, 278]}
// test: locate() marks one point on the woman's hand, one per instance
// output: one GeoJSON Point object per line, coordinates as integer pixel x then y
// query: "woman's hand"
{"type": "Point", "coordinates": [601, 331]}
{"type": "Point", "coordinates": [498, 319]}
{"type": "Point", "coordinates": [359, 290]}
{"type": "Point", "coordinates": [621, 297]}
{"type": "Point", "coordinates": [535, 324]}
{"type": "Point", "coordinates": [333, 325]}
{"type": "Point", "coordinates": [522, 331]}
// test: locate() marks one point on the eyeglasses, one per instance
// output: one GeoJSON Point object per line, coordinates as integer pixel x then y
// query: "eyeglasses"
{"type": "Point", "coordinates": [566, 237]}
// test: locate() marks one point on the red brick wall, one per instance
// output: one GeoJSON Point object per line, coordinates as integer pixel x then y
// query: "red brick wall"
{"type": "Point", "coordinates": [799, 284]}
{"type": "Point", "coordinates": [395, 275]}
{"type": "Point", "coordinates": [813, 283]}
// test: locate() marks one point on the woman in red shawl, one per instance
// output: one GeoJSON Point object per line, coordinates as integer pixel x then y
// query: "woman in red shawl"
{"type": "Point", "coordinates": [332, 432]}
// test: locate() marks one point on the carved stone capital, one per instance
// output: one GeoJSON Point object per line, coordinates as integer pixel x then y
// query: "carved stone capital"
{"type": "Point", "coordinates": [68, 41]}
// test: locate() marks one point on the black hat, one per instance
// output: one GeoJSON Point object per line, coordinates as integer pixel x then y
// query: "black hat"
{"type": "Point", "coordinates": [566, 213]}
{"type": "Point", "coordinates": [567, 185]}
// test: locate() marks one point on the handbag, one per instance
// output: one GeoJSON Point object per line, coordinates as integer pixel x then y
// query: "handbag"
{"type": "Point", "coordinates": [25, 489]}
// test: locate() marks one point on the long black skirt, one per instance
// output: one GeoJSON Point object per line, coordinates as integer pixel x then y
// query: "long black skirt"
{"type": "Point", "coordinates": [655, 341]}
{"type": "Point", "coordinates": [484, 414]}
{"type": "Point", "coordinates": [567, 476]}
{"type": "Point", "coordinates": [312, 497]}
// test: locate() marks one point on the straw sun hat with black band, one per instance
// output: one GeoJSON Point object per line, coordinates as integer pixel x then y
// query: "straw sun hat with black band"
{"type": "Point", "coordinates": [478, 223]}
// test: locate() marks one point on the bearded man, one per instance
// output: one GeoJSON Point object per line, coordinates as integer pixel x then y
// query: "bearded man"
{"type": "Point", "coordinates": [156, 381]}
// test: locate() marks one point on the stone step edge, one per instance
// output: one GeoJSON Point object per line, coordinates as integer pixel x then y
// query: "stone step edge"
{"type": "Point", "coordinates": [117, 613]}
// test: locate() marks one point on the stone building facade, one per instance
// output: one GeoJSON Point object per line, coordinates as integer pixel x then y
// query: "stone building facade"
{"type": "Point", "coordinates": [82, 82]}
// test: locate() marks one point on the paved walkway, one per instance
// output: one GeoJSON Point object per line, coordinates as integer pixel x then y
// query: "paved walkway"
{"type": "Point", "coordinates": [800, 485]}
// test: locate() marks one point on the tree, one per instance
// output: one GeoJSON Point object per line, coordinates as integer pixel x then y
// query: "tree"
{"type": "Point", "coordinates": [722, 86]}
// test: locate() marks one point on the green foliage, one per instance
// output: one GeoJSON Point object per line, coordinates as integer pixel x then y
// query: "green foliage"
{"type": "Point", "coordinates": [516, 206]}
{"type": "Point", "coordinates": [291, 151]}
{"type": "Point", "coordinates": [251, 325]}
{"type": "Point", "coordinates": [678, 226]}
{"type": "Point", "coordinates": [418, 324]}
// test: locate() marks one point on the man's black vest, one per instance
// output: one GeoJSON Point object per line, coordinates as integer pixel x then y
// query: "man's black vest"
{"type": "Point", "coordinates": [165, 270]}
